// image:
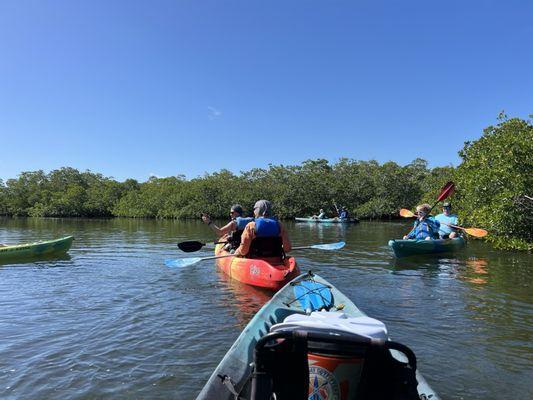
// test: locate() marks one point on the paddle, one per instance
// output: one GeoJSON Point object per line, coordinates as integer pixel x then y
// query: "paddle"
{"type": "Point", "coordinates": [186, 262]}
{"type": "Point", "coordinates": [192, 245]}
{"type": "Point", "coordinates": [476, 232]}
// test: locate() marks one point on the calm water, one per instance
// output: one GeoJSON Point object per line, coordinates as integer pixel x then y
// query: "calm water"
{"type": "Point", "coordinates": [111, 321]}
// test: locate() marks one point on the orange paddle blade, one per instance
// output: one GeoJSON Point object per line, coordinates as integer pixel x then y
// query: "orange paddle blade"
{"type": "Point", "coordinates": [476, 232]}
{"type": "Point", "coordinates": [406, 213]}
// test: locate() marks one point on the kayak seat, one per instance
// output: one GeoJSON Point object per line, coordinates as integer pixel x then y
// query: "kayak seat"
{"type": "Point", "coordinates": [264, 247]}
{"type": "Point", "coordinates": [281, 366]}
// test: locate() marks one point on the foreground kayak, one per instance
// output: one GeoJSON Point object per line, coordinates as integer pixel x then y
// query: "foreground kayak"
{"type": "Point", "coordinates": [270, 273]}
{"type": "Point", "coordinates": [35, 250]}
{"type": "Point", "coordinates": [305, 314]}
{"type": "Point", "coordinates": [404, 248]}
{"type": "Point", "coordinates": [329, 220]}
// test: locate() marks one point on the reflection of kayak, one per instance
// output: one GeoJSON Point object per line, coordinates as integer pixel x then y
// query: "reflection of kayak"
{"type": "Point", "coordinates": [270, 273]}
{"type": "Point", "coordinates": [35, 250]}
{"type": "Point", "coordinates": [315, 341]}
{"type": "Point", "coordinates": [403, 248]}
{"type": "Point", "coordinates": [329, 220]}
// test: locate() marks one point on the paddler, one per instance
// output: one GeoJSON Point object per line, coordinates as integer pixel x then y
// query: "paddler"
{"type": "Point", "coordinates": [426, 227]}
{"type": "Point", "coordinates": [232, 229]}
{"type": "Point", "coordinates": [321, 215]}
{"type": "Point", "coordinates": [446, 218]}
{"type": "Point", "coordinates": [265, 236]}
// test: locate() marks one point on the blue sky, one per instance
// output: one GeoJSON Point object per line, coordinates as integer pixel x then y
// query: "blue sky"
{"type": "Point", "coordinates": [133, 88]}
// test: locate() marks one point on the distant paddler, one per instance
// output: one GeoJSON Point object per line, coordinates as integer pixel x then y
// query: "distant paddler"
{"type": "Point", "coordinates": [321, 215]}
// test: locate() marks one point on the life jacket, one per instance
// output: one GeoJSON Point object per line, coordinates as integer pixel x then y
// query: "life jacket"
{"type": "Point", "coordinates": [235, 237]}
{"type": "Point", "coordinates": [267, 241]}
{"type": "Point", "coordinates": [428, 227]}
{"type": "Point", "coordinates": [344, 215]}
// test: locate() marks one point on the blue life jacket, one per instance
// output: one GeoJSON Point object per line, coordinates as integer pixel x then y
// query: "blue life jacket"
{"type": "Point", "coordinates": [267, 241]}
{"type": "Point", "coordinates": [428, 227]}
{"type": "Point", "coordinates": [343, 215]}
{"type": "Point", "coordinates": [267, 227]}
{"type": "Point", "coordinates": [242, 222]}
{"type": "Point", "coordinates": [234, 238]}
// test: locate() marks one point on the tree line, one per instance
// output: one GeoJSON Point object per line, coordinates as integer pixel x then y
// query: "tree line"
{"type": "Point", "coordinates": [494, 183]}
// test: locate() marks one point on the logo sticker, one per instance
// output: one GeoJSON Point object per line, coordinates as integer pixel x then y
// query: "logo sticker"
{"type": "Point", "coordinates": [254, 269]}
{"type": "Point", "coordinates": [322, 384]}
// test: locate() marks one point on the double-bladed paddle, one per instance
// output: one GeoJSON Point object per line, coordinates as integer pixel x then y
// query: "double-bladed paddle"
{"type": "Point", "coordinates": [193, 245]}
{"type": "Point", "coordinates": [476, 232]}
{"type": "Point", "coordinates": [186, 262]}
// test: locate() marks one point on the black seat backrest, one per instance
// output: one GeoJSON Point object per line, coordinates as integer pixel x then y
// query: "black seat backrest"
{"type": "Point", "coordinates": [281, 365]}
{"type": "Point", "coordinates": [263, 247]}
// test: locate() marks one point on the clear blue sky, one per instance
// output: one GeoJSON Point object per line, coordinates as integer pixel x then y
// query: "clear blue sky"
{"type": "Point", "coordinates": [133, 88]}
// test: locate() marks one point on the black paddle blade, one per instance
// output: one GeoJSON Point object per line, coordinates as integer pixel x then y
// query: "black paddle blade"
{"type": "Point", "coordinates": [190, 246]}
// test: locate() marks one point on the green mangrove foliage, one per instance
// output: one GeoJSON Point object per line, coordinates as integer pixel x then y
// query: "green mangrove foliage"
{"type": "Point", "coordinates": [368, 189]}
{"type": "Point", "coordinates": [493, 189]}
{"type": "Point", "coordinates": [495, 183]}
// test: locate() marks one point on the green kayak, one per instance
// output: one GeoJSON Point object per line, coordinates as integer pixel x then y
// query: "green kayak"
{"type": "Point", "coordinates": [35, 250]}
{"type": "Point", "coordinates": [328, 220]}
{"type": "Point", "coordinates": [311, 342]}
{"type": "Point", "coordinates": [404, 248]}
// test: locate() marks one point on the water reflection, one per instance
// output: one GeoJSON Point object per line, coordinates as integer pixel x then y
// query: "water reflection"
{"type": "Point", "coordinates": [247, 299]}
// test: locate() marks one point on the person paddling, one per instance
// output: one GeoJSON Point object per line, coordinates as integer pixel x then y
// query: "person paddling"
{"type": "Point", "coordinates": [343, 214]}
{"type": "Point", "coordinates": [233, 230]}
{"type": "Point", "coordinates": [321, 215]}
{"type": "Point", "coordinates": [446, 219]}
{"type": "Point", "coordinates": [265, 236]}
{"type": "Point", "coordinates": [425, 227]}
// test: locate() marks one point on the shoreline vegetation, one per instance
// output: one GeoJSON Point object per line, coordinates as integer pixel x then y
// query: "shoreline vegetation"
{"type": "Point", "coordinates": [493, 189]}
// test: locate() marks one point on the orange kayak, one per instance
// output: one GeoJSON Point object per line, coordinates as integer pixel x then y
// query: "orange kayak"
{"type": "Point", "coordinates": [269, 273]}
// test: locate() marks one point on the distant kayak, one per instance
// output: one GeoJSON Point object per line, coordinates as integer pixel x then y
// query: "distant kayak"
{"type": "Point", "coordinates": [328, 220]}
{"type": "Point", "coordinates": [317, 345]}
{"type": "Point", "coordinates": [268, 273]}
{"type": "Point", "coordinates": [404, 248]}
{"type": "Point", "coordinates": [36, 249]}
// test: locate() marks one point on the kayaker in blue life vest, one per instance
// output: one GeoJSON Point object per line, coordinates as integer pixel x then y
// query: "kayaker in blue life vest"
{"type": "Point", "coordinates": [343, 214]}
{"type": "Point", "coordinates": [232, 229]}
{"type": "Point", "coordinates": [265, 236]}
{"type": "Point", "coordinates": [446, 219]}
{"type": "Point", "coordinates": [425, 228]}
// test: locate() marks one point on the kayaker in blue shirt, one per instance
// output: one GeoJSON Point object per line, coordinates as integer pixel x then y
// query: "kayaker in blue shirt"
{"type": "Point", "coordinates": [446, 219]}
{"type": "Point", "coordinates": [425, 228]}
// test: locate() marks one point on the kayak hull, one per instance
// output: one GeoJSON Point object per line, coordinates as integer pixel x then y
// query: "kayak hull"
{"type": "Point", "coordinates": [236, 362]}
{"type": "Point", "coordinates": [36, 250]}
{"type": "Point", "coordinates": [270, 274]}
{"type": "Point", "coordinates": [328, 220]}
{"type": "Point", "coordinates": [404, 248]}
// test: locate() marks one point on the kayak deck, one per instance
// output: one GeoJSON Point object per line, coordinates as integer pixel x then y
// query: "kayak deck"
{"type": "Point", "coordinates": [271, 273]}
{"type": "Point", "coordinates": [404, 248]}
{"type": "Point", "coordinates": [236, 362]}
{"type": "Point", "coordinates": [36, 249]}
